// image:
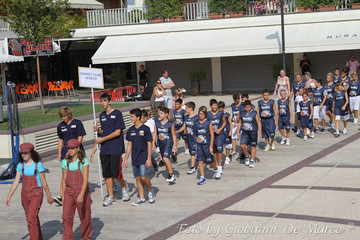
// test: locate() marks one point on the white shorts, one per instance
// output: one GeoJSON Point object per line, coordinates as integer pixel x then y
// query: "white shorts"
{"type": "Point", "coordinates": [233, 134]}
{"type": "Point", "coordinates": [354, 103]}
{"type": "Point", "coordinates": [342, 117]}
{"type": "Point", "coordinates": [319, 113]}
{"type": "Point", "coordinates": [168, 101]}
{"type": "Point", "coordinates": [229, 146]}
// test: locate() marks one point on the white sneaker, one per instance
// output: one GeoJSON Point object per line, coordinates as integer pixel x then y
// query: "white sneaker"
{"type": "Point", "coordinates": [170, 178]}
{"type": "Point", "coordinates": [227, 161]}
{"type": "Point", "coordinates": [217, 174]}
{"type": "Point", "coordinates": [344, 131]}
{"type": "Point", "coordinates": [288, 142]}
{"type": "Point", "coordinates": [187, 151]}
{"type": "Point", "coordinates": [252, 163]}
{"type": "Point", "coordinates": [267, 148]}
{"type": "Point", "coordinates": [247, 161]}
{"type": "Point", "coordinates": [139, 202]}
{"type": "Point", "coordinates": [333, 126]}
{"type": "Point", "coordinates": [151, 196]}
{"type": "Point", "coordinates": [356, 121]}
{"type": "Point", "coordinates": [312, 135]}
{"type": "Point", "coordinates": [298, 133]}
{"type": "Point", "coordinates": [305, 138]}
{"type": "Point", "coordinates": [233, 153]}
{"type": "Point", "coordinates": [109, 201]}
{"type": "Point", "coordinates": [273, 146]}
{"type": "Point", "coordinates": [191, 171]}
{"type": "Point", "coordinates": [283, 140]}
{"type": "Point", "coordinates": [220, 169]}
{"type": "Point", "coordinates": [125, 194]}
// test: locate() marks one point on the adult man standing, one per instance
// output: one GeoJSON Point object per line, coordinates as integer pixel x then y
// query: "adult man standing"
{"type": "Point", "coordinates": [305, 65]}
{"type": "Point", "coordinates": [167, 84]}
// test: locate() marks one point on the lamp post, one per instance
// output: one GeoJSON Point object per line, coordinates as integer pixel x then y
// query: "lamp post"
{"type": "Point", "coordinates": [283, 34]}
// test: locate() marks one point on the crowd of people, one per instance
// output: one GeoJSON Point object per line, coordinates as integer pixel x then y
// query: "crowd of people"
{"type": "Point", "coordinates": [154, 142]}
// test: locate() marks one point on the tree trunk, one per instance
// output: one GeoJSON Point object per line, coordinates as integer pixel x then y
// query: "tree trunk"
{"type": "Point", "coordinates": [39, 80]}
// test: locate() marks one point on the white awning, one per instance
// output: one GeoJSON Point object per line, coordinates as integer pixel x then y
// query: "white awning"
{"type": "Point", "coordinates": [5, 57]}
{"type": "Point", "coordinates": [226, 42]}
{"type": "Point", "coordinates": [86, 4]}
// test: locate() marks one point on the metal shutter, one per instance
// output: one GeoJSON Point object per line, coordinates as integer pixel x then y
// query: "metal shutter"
{"type": "Point", "coordinates": [325, 62]}
{"type": "Point", "coordinates": [251, 73]}
{"type": "Point", "coordinates": [178, 70]}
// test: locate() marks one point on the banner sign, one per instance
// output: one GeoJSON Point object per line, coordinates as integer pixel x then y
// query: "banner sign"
{"type": "Point", "coordinates": [91, 77]}
{"type": "Point", "coordinates": [25, 48]}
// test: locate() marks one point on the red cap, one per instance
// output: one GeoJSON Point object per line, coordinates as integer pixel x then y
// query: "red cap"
{"type": "Point", "coordinates": [26, 147]}
{"type": "Point", "coordinates": [73, 143]}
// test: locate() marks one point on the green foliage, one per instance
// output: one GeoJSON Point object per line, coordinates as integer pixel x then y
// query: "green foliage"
{"type": "Point", "coordinates": [355, 1]}
{"type": "Point", "coordinates": [198, 74]}
{"type": "Point", "coordinates": [164, 8]}
{"type": "Point", "coordinates": [35, 19]}
{"type": "Point", "coordinates": [307, 3]}
{"type": "Point", "coordinates": [118, 75]}
{"type": "Point", "coordinates": [328, 2]}
{"type": "Point", "coordinates": [276, 67]}
{"type": "Point", "coordinates": [226, 6]}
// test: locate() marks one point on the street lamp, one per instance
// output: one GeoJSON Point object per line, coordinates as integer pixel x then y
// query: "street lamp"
{"type": "Point", "coordinates": [283, 34]}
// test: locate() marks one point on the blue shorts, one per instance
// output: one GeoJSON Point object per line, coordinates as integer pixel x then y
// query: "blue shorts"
{"type": "Point", "coordinates": [249, 138]}
{"type": "Point", "coordinates": [268, 127]}
{"type": "Point", "coordinates": [140, 170]}
{"type": "Point", "coordinates": [227, 138]}
{"type": "Point", "coordinates": [219, 143]}
{"type": "Point", "coordinates": [329, 105]}
{"type": "Point", "coordinates": [203, 154]}
{"type": "Point", "coordinates": [298, 115]}
{"type": "Point", "coordinates": [181, 135]}
{"type": "Point", "coordinates": [165, 149]}
{"type": "Point", "coordinates": [191, 144]}
{"type": "Point", "coordinates": [284, 122]}
{"type": "Point", "coordinates": [306, 122]}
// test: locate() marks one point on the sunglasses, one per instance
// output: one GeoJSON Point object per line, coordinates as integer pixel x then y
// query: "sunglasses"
{"type": "Point", "coordinates": [158, 83]}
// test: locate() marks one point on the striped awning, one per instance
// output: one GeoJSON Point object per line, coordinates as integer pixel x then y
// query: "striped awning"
{"type": "Point", "coordinates": [86, 4]}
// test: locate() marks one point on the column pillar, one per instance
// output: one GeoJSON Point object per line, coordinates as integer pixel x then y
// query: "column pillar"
{"type": "Point", "coordinates": [297, 57]}
{"type": "Point", "coordinates": [216, 74]}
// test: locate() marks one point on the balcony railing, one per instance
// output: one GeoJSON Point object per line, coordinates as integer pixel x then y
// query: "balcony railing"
{"type": "Point", "coordinates": [192, 11]}
{"type": "Point", "coordinates": [4, 26]}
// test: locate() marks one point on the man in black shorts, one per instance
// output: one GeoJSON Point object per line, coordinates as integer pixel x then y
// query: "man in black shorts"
{"type": "Point", "coordinates": [112, 147]}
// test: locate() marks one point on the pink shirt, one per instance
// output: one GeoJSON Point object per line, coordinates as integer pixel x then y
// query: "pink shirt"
{"type": "Point", "coordinates": [353, 65]}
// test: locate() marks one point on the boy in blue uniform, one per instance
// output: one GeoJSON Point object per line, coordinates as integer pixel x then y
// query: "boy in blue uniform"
{"type": "Point", "coordinates": [285, 117]}
{"type": "Point", "coordinates": [204, 135]}
{"type": "Point", "coordinates": [268, 114]}
{"type": "Point", "coordinates": [354, 95]}
{"type": "Point", "coordinates": [218, 121]}
{"type": "Point", "coordinates": [235, 111]}
{"type": "Point", "coordinates": [319, 102]}
{"type": "Point", "coordinates": [306, 115]}
{"type": "Point", "coordinates": [139, 145]}
{"type": "Point", "coordinates": [179, 116]}
{"type": "Point", "coordinates": [165, 135]}
{"type": "Point", "coordinates": [341, 112]}
{"type": "Point", "coordinates": [250, 125]}
{"type": "Point", "coordinates": [112, 147]}
{"type": "Point", "coordinates": [227, 132]}
{"type": "Point", "coordinates": [297, 84]}
{"type": "Point", "coordinates": [188, 127]}
{"type": "Point", "coordinates": [330, 88]}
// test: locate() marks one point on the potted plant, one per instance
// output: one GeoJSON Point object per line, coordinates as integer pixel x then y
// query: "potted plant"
{"type": "Point", "coordinates": [155, 10]}
{"type": "Point", "coordinates": [237, 8]}
{"type": "Point", "coordinates": [306, 5]}
{"type": "Point", "coordinates": [159, 10]}
{"type": "Point", "coordinates": [327, 5]}
{"type": "Point", "coordinates": [262, 6]}
{"type": "Point", "coordinates": [176, 11]}
{"type": "Point", "coordinates": [217, 8]}
{"type": "Point", "coordinates": [196, 76]}
{"type": "Point", "coordinates": [355, 4]}
{"type": "Point", "coordinates": [118, 77]}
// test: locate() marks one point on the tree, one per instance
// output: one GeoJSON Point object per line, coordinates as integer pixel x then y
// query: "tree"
{"type": "Point", "coordinates": [35, 19]}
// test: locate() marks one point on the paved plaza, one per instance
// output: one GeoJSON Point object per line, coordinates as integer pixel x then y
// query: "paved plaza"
{"type": "Point", "coordinates": [309, 190]}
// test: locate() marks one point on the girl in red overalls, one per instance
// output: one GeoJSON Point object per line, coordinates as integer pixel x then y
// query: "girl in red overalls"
{"type": "Point", "coordinates": [33, 183]}
{"type": "Point", "coordinates": [75, 177]}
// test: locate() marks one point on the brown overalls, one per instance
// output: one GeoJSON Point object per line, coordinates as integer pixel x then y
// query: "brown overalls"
{"type": "Point", "coordinates": [74, 181]}
{"type": "Point", "coordinates": [31, 200]}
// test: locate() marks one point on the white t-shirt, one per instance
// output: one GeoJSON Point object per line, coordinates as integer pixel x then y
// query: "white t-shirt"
{"type": "Point", "coordinates": [298, 99]}
{"type": "Point", "coordinates": [160, 99]}
{"type": "Point", "coordinates": [151, 124]}
{"type": "Point", "coordinates": [167, 81]}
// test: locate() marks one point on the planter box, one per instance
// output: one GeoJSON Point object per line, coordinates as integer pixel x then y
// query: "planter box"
{"type": "Point", "coordinates": [216, 15]}
{"type": "Point", "coordinates": [355, 5]}
{"type": "Point", "coordinates": [327, 8]}
{"type": "Point", "coordinates": [156, 20]}
{"type": "Point", "coordinates": [195, 87]}
{"type": "Point", "coordinates": [235, 14]}
{"type": "Point", "coordinates": [176, 19]}
{"type": "Point", "coordinates": [303, 9]}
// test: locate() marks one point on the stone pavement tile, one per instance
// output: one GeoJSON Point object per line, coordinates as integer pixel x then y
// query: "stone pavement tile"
{"type": "Point", "coordinates": [266, 200]}
{"type": "Point", "coordinates": [303, 177]}
{"type": "Point", "coordinates": [333, 204]}
{"type": "Point", "coordinates": [341, 177]}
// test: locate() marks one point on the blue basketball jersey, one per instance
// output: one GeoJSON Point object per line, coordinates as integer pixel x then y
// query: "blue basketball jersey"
{"type": "Point", "coordinates": [337, 78]}
{"type": "Point", "coordinates": [189, 122]}
{"type": "Point", "coordinates": [248, 121]}
{"type": "Point", "coordinates": [305, 108]}
{"type": "Point", "coordinates": [179, 118]}
{"type": "Point", "coordinates": [296, 87]}
{"type": "Point", "coordinates": [354, 88]}
{"type": "Point", "coordinates": [227, 126]}
{"type": "Point", "coordinates": [340, 100]}
{"type": "Point", "coordinates": [266, 109]}
{"type": "Point", "coordinates": [235, 110]}
{"type": "Point", "coordinates": [329, 91]}
{"type": "Point", "coordinates": [216, 120]}
{"type": "Point", "coordinates": [283, 107]}
{"type": "Point", "coordinates": [202, 132]}
{"type": "Point", "coordinates": [163, 131]}
{"type": "Point", "coordinates": [318, 96]}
